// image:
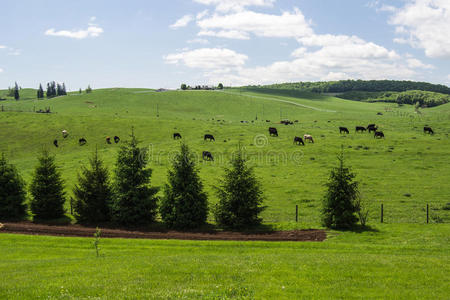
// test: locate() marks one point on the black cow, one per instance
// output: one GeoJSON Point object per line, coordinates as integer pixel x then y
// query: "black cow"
{"type": "Point", "coordinates": [360, 128]}
{"type": "Point", "coordinates": [108, 140]}
{"type": "Point", "coordinates": [268, 121]}
{"type": "Point", "coordinates": [343, 130]}
{"type": "Point", "coordinates": [209, 137]}
{"type": "Point", "coordinates": [206, 155]}
{"type": "Point", "coordinates": [427, 129]}
{"type": "Point", "coordinates": [176, 136]}
{"type": "Point", "coordinates": [299, 141]}
{"type": "Point", "coordinates": [372, 128]}
{"type": "Point", "coordinates": [116, 139]}
{"type": "Point", "coordinates": [55, 142]}
{"type": "Point", "coordinates": [82, 141]}
{"type": "Point", "coordinates": [379, 134]}
{"type": "Point", "coordinates": [273, 131]}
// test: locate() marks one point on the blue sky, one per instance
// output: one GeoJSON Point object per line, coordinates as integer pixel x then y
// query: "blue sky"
{"type": "Point", "coordinates": [111, 43]}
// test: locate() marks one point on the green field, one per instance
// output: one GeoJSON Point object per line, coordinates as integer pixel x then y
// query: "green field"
{"type": "Point", "coordinates": [401, 259]}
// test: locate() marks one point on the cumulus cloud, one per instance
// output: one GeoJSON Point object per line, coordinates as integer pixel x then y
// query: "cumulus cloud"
{"type": "Point", "coordinates": [182, 22]}
{"type": "Point", "coordinates": [198, 41]}
{"type": "Point", "coordinates": [91, 31]}
{"type": "Point", "coordinates": [235, 5]}
{"type": "Point", "coordinates": [2, 47]}
{"type": "Point", "coordinates": [1, 70]}
{"type": "Point", "coordinates": [241, 25]}
{"type": "Point", "coordinates": [208, 58]}
{"type": "Point", "coordinates": [424, 24]}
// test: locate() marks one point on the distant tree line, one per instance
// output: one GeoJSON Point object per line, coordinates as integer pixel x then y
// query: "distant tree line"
{"type": "Point", "coordinates": [360, 85]}
{"type": "Point", "coordinates": [201, 87]}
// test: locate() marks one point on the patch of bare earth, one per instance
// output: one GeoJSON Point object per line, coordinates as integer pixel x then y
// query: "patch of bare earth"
{"type": "Point", "coordinates": [81, 231]}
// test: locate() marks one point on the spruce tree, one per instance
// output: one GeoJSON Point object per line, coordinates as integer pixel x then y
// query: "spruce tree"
{"type": "Point", "coordinates": [47, 189]}
{"type": "Point", "coordinates": [340, 202]}
{"type": "Point", "coordinates": [16, 92]}
{"type": "Point", "coordinates": [93, 194]}
{"type": "Point", "coordinates": [40, 92]}
{"type": "Point", "coordinates": [134, 201]}
{"type": "Point", "coordinates": [184, 204]}
{"type": "Point", "coordinates": [88, 90]}
{"type": "Point", "coordinates": [240, 196]}
{"type": "Point", "coordinates": [12, 192]}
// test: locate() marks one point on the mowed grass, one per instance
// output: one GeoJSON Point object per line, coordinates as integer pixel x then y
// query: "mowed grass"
{"type": "Point", "coordinates": [394, 261]}
{"type": "Point", "coordinates": [405, 171]}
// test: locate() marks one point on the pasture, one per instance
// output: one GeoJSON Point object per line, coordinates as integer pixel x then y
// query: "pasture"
{"type": "Point", "coordinates": [404, 171]}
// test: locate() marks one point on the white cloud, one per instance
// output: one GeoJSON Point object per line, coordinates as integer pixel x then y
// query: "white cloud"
{"type": "Point", "coordinates": [415, 63]}
{"type": "Point", "coordinates": [1, 70]}
{"type": "Point", "coordinates": [425, 24]}
{"type": "Point", "coordinates": [2, 47]}
{"type": "Point", "coordinates": [241, 24]}
{"type": "Point", "coordinates": [208, 58]}
{"type": "Point", "coordinates": [91, 31]}
{"type": "Point", "coordinates": [198, 41]}
{"type": "Point", "coordinates": [14, 52]}
{"type": "Point", "coordinates": [202, 14]}
{"type": "Point", "coordinates": [235, 5]}
{"type": "Point", "coordinates": [182, 22]}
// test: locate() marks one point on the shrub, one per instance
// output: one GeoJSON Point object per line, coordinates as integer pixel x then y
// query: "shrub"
{"type": "Point", "coordinates": [184, 204]}
{"type": "Point", "coordinates": [12, 192]}
{"type": "Point", "coordinates": [92, 195]}
{"type": "Point", "coordinates": [134, 201]}
{"type": "Point", "coordinates": [340, 201]}
{"type": "Point", "coordinates": [240, 197]}
{"type": "Point", "coordinates": [47, 189]}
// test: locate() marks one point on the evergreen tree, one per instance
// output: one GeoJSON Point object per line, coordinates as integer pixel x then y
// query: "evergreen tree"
{"type": "Point", "coordinates": [16, 92]}
{"type": "Point", "coordinates": [40, 92]}
{"type": "Point", "coordinates": [80, 91]}
{"type": "Point", "coordinates": [12, 192]}
{"type": "Point", "coordinates": [93, 193]}
{"type": "Point", "coordinates": [63, 89]}
{"type": "Point", "coordinates": [88, 90]}
{"type": "Point", "coordinates": [240, 196]}
{"type": "Point", "coordinates": [184, 204]}
{"type": "Point", "coordinates": [183, 86]}
{"type": "Point", "coordinates": [59, 90]}
{"type": "Point", "coordinates": [134, 201]}
{"type": "Point", "coordinates": [340, 202]}
{"type": "Point", "coordinates": [220, 86]}
{"type": "Point", "coordinates": [49, 90]}
{"type": "Point", "coordinates": [47, 189]}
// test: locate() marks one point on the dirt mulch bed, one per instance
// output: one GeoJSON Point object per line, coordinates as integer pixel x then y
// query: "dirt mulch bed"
{"type": "Point", "coordinates": [81, 231]}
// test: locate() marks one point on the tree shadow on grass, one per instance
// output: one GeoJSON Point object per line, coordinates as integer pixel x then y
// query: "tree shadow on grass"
{"type": "Point", "coordinates": [359, 229]}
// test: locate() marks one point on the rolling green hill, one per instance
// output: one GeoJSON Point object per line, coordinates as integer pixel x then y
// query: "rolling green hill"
{"type": "Point", "coordinates": [407, 162]}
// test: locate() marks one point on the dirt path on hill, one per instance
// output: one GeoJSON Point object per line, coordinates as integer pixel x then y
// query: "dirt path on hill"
{"type": "Point", "coordinates": [81, 231]}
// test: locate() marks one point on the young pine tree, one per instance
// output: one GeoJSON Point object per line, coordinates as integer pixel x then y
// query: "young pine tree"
{"type": "Point", "coordinates": [12, 192]}
{"type": "Point", "coordinates": [340, 202]}
{"type": "Point", "coordinates": [184, 204]}
{"type": "Point", "coordinates": [93, 194]}
{"type": "Point", "coordinates": [47, 189]}
{"type": "Point", "coordinates": [16, 92]}
{"type": "Point", "coordinates": [240, 197]}
{"type": "Point", "coordinates": [134, 201]}
{"type": "Point", "coordinates": [40, 92]}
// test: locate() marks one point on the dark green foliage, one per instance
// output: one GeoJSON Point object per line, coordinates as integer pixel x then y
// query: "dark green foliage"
{"type": "Point", "coordinates": [220, 86]}
{"type": "Point", "coordinates": [16, 92]}
{"type": "Point", "coordinates": [92, 195]}
{"type": "Point", "coordinates": [340, 202]}
{"type": "Point", "coordinates": [240, 197]}
{"type": "Point", "coordinates": [40, 92]}
{"type": "Point", "coordinates": [134, 201]}
{"type": "Point", "coordinates": [89, 90]}
{"type": "Point", "coordinates": [61, 89]}
{"type": "Point", "coordinates": [12, 192]}
{"type": "Point", "coordinates": [47, 189]}
{"type": "Point", "coordinates": [184, 204]}
{"type": "Point", "coordinates": [183, 86]}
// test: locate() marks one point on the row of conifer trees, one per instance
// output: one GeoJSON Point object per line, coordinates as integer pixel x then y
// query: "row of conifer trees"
{"type": "Point", "coordinates": [128, 199]}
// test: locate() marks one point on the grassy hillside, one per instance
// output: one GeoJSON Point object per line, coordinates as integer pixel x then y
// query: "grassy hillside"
{"type": "Point", "coordinates": [404, 171]}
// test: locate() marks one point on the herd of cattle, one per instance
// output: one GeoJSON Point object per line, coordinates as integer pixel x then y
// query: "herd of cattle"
{"type": "Point", "coordinates": [206, 155]}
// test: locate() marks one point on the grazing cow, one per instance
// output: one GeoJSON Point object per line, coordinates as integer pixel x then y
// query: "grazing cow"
{"type": "Point", "coordinates": [206, 155]}
{"type": "Point", "coordinates": [65, 133]}
{"type": "Point", "coordinates": [296, 121]}
{"type": "Point", "coordinates": [379, 134]}
{"type": "Point", "coordinates": [370, 126]}
{"type": "Point", "coordinates": [343, 130]}
{"type": "Point", "coordinates": [108, 140]}
{"type": "Point", "coordinates": [55, 142]}
{"type": "Point", "coordinates": [360, 128]}
{"type": "Point", "coordinates": [82, 141]}
{"type": "Point", "coordinates": [372, 129]}
{"type": "Point", "coordinates": [299, 141]}
{"type": "Point", "coordinates": [176, 136]}
{"type": "Point", "coordinates": [209, 137]}
{"type": "Point", "coordinates": [427, 129]}
{"type": "Point", "coordinates": [273, 131]}
{"type": "Point", "coordinates": [116, 139]}
{"type": "Point", "coordinates": [309, 138]}
{"type": "Point", "coordinates": [268, 121]}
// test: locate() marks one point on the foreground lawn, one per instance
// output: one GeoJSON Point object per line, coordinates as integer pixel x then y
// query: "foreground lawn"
{"type": "Point", "coordinates": [393, 261]}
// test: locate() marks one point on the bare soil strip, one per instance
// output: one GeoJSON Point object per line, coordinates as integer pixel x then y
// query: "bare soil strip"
{"type": "Point", "coordinates": [81, 231]}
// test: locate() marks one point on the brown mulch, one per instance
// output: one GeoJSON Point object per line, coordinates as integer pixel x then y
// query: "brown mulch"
{"type": "Point", "coordinates": [81, 231]}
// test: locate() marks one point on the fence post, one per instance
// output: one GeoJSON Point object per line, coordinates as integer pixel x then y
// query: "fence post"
{"type": "Point", "coordinates": [428, 214]}
{"type": "Point", "coordinates": [296, 213]}
{"type": "Point", "coordinates": [381, 212]}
